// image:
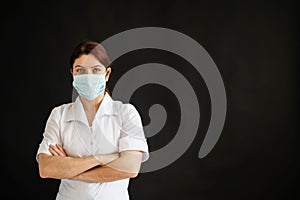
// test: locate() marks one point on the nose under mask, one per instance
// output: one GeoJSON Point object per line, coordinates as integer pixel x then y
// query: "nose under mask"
{"type": "Point", "coordinates": [89, 85]}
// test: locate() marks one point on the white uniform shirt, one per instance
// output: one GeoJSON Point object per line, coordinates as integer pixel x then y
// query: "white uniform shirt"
{"type": "Point", "coordinates": [116, 127]}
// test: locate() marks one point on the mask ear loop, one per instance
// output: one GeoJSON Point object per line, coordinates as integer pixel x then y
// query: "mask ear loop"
{"type": "Point", "coordinates": [106, 88]}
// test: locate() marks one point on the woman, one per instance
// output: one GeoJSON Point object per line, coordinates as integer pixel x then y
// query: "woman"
{"type": "Point", "coordinates": [95, 144]}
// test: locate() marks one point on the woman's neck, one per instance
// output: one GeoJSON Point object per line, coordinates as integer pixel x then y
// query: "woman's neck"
{"type": "Point", "coordinates": [92, 105]}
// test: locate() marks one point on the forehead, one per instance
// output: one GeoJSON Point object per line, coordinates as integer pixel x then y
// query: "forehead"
{"type": "Point", "coordinates": [87, 61]}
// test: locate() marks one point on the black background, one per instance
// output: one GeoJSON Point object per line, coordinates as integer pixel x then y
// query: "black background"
{"type": "Point", "coordinates": [255, 46]}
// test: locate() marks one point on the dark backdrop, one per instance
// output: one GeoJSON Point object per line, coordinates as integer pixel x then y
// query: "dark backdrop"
{"type": "Point", "coordinates": [255, 46]}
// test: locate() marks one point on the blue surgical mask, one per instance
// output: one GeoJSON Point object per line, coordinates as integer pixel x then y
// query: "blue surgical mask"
{"type": "Point", "coordinates": [89, 85]}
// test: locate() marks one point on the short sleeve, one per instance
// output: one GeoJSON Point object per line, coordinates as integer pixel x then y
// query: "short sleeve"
{"type": "Point", "coordinates": [51, 133]}
{"type": "Point", "coordinates": [132, 132]}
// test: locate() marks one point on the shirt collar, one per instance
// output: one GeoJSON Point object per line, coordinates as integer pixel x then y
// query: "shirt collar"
{"type": "Point", "coordinates": [77, 113]}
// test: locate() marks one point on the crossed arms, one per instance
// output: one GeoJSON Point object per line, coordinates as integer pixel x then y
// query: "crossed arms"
{"type": "Point", "coordinates": [99, 168]}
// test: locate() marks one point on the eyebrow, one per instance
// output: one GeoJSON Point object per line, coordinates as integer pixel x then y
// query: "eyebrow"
{"type": "Point", "coordinates": [79, 66]}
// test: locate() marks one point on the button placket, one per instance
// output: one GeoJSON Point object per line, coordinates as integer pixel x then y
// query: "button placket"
{"type": "Point", "coordinates": [92, 140]}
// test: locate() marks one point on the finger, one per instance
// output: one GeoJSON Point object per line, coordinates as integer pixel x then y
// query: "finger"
{"type": "Point", "coordinates": [52, 149]}
{"type": "Point", "coordinates": [52, 152]}
{"type": "Point", "coordinates": [61, 149]}
{"type": "Point", "coordinates": [58, 152]}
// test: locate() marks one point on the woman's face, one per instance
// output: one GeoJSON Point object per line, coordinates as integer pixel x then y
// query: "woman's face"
{"type": "Point", "coordinates": [89, 64]}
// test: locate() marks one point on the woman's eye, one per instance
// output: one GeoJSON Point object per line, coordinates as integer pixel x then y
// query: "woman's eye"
{"type": "Point", "coordinates": [80, 70]}
{"type": "Point", "coordinates": [97, 70]}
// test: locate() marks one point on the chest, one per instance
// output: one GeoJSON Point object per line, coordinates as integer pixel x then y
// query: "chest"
{"type": "Point", "coordinates": [102, 137]}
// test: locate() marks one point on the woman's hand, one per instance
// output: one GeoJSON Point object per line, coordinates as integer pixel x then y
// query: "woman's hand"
{"type": "Point", "coordinates": [57, 150]}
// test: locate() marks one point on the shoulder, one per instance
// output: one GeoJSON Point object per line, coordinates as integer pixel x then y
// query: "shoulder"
{"type": "Point", "coordinates": [125, 108]}
{"type": "Point", "coordinates": [62, 107]}
{"type": "Point", "coordinates": [59, 110]}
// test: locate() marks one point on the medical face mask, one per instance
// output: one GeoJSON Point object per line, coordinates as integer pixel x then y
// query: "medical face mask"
{"type": "Point", "coordinates": [89, 85]}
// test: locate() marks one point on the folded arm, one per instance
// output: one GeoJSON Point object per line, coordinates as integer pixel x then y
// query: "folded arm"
{"type": "Point", "coordinates": [126, 166]}
{"type": "Point", "coordinates": [99, 168]}
{"type": "Point", "coordinates": [60, 166]}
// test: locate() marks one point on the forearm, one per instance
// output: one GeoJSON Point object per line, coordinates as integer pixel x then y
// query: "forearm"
{"type": "Point", "coordinates": [61, 167]}
{"type": "Point", "coordinates": [103, 174]}
{"type": "Point", "coordinates": [104, 159]}
{"type": "Point", "coordinates": [126, 166]}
